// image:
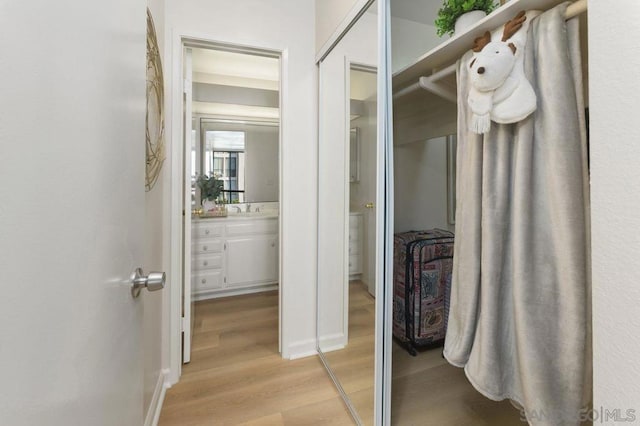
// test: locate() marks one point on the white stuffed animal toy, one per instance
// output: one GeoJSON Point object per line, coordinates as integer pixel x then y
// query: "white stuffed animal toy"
{"type": "Point", "coordinates": [499, 90]}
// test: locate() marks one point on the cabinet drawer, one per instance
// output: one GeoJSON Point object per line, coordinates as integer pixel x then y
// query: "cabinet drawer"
{"type": "Point", "coordinates": [355, 264]}
{"type": "Point", "coordinates": [253, 227]}
{"type": "Point", "coordinates": [207, 246]}
{"type": "Point", "coordinates": [354, 247]}
{"type": "Point", "coordinates": [354, 221]}
{"type": "Point", "coordinates": [354, 236]}
{"type": "Point", "coordinates": [207, 262]}
{"type": "Point", "coordinates": [208, 280]}
{"type": "Point", "coordinates": [207, 230]}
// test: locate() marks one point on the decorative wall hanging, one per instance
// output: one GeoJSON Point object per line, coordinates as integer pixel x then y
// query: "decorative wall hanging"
{"type": "Point", "coordinates": [499, 89]}
{"type": "Point", "coordinates": [155, 108]}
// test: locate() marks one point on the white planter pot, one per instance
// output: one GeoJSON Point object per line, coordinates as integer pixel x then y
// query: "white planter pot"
{"type": "Point", "coordinates": [208, 205]}
{"type": "Point", "coordinates": [467, 20]}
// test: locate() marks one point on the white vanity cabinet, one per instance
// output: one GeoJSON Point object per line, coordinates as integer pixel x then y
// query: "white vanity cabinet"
{"type": "Point", "coordinates": [232, 256]}
{"type": "Point", "coordinates": [355, 244]}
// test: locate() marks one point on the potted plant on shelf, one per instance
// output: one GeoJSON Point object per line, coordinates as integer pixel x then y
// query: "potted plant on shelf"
{"type": "Point", "coordinates": [456, 15]}
{"type": "Point", "coordinates": [210, 189]}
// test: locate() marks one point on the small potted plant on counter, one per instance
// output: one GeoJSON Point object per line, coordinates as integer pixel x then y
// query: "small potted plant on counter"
{"type": "Point", "coordinates": [210, 189]}
{"type": "Point", "coordinates": [456, 15]}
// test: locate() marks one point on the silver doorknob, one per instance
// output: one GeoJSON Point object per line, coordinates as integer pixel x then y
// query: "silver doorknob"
{"type": "Point", "coordinates": [153, 282]}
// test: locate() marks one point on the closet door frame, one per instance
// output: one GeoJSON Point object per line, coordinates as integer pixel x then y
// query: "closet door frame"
{"type": "Point", "coordinates": [385, 220]}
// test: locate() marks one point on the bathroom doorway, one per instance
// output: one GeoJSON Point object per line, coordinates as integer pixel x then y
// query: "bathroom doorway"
{"type": "Point", "coordinates": [231, 193]}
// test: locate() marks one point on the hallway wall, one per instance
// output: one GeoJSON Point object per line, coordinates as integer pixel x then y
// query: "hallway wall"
{"type": "Point", "coordinates": [615, 202]}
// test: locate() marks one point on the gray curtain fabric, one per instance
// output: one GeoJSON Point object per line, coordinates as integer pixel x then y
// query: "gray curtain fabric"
{"type": "Point", "coordinates": [519, 321]}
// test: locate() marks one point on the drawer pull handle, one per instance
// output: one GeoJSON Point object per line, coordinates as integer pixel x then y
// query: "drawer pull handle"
{"type": "Point", "coordinates": [204, 281]}
{"type": "Point", "coordinates": [206, 231]}
{"type": "Point", "coordinates": [205, 248]}
{"type": "Point", "coordinates": [205, 263]}
{"type": "Point", "coordinates": [273, 244]}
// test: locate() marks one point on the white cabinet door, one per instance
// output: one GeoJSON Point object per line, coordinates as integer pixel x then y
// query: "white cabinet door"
{"type": "Point", "coordinates": [252, 260]}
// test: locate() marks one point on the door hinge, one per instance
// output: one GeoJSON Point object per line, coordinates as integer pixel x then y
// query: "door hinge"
{"type": "Point", "coordinates": [186, 86]}
{"type": "Point", "coordinates": [183, 323]}
{"type": "Point", "coordinates": [225, 280]}
{"type": "Point", "coordinates": [225, 246]}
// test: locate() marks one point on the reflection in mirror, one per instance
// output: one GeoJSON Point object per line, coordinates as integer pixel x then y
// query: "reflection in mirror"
{"type": "Point", "coordinates": [425, 388]}
{"type": "Point", "coordinates": [245, 156]}
{"type": "Point", "coordinates": [235, 126]}
{"type": "Point", "coordinates": [354, 155]}
{"type": "Point", "coordinates": [347, 220]}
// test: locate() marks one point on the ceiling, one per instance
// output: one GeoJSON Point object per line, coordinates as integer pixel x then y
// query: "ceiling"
{"type": "Point", "coordinates": [363, 85]}
{"type": "Point", "coordinates": [238, 65]}
{"type": "Point", "coordinates": [219, 67]}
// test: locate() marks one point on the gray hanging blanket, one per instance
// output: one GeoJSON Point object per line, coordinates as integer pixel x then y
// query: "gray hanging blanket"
{"type": "Point", "coordinates": [519, 321]}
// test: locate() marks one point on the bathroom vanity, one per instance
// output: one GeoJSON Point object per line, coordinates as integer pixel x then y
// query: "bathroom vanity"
{"type": "Point", "coordinates": [233, 255]}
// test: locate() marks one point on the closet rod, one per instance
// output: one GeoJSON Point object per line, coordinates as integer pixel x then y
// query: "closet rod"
{"type": "Point", "coordinates": [429, 82]}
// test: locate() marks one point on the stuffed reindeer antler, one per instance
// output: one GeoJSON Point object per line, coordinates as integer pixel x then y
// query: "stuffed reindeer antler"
{"type": "Point", "coordinates": [480, 42]}
{"type": "Point", "coordinates": [512, 27]}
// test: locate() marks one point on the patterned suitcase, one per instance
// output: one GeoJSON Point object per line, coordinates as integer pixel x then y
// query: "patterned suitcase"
{"type": "Point", "coordinates": [423, 262]}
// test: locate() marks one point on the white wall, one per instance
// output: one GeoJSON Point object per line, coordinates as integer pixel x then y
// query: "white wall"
{"type": "Point", "coordinates": [156, 217]}
{"type": "Point", "coordinates": [358, 46]}
{"type": "Point", "coordinates": [615, 201]}
{"type": "Point", "coordinates": [329, 14]}
{"type": "Point", "coordinates": [410, 40]}
{"type": "Point", "coordinates": [420, 166]}
{"type": "Point", "coordinates": [420, 172]}
{"type": "Point", "coordinates": [261, 169]}
{"type": "Point", "coordinates": [287, 26]}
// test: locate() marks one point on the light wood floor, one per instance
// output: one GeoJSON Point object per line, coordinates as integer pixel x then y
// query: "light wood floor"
{"type": "Point", "coordinates": [237, 377]}
{"type": "Point", "coordinates": [426, 390]}
{"type": "Point", "coordinates": [354, 364]}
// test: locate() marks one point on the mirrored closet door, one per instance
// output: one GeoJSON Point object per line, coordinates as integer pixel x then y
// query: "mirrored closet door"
{"type": "Point", "coordinates": [347, 225]}
{"type": "Point", "coordinates": [483, 310]}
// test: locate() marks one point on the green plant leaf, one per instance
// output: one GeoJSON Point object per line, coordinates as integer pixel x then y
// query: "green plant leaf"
{"type": "Point", "coordinates": [452, 9]}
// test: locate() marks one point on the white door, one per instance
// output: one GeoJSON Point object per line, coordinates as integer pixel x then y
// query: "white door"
{"type": "Point", "coordinates": [187, 301]}
{"type": "Point", "coordinates": [72, 156]}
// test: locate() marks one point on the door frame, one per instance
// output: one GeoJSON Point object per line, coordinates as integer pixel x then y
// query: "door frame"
{"type": "Point", "coordinates": [173, 307]}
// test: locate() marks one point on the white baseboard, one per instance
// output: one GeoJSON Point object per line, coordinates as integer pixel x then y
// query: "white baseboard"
{"type": "Point", "coordinates": [333, 342]}
{"type": "Point", "coordinates": [302, 349]}
{"type": "Point", "coordinates": [153, 413]}
{"type": "Point", "coordinates": [213, 294]}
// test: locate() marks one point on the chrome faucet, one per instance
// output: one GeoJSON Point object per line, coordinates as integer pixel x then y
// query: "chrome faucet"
{"type": "Point", "coordinates": [238, 209]}
{"type": "Point", "coordinates": [248, 208]}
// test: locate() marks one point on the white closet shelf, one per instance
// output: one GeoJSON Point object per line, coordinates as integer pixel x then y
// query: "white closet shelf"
{"type": "Point", "coordinates": [452, 49]}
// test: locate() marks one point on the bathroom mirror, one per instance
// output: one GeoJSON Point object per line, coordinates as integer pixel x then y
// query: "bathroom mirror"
{"type": "Point", "coordinates": [244, 154]}
{"type": "Point", "coordinates": [347, 171]}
